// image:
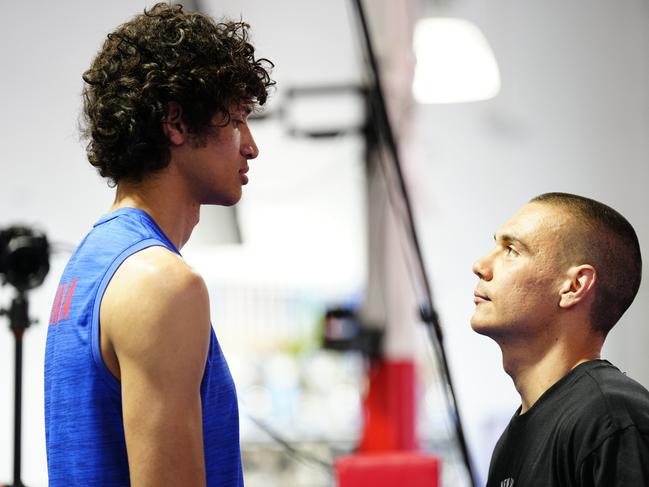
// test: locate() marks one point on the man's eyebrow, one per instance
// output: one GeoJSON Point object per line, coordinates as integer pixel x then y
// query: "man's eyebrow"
{"type": "Point", "coordinates": [508, 238]}
{"type": "Point", "coordinates": [245, 108]}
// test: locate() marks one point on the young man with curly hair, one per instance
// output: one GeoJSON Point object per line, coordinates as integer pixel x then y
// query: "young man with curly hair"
{"type": "Point", "coordinates": [563, 271]}
{"type": "Point", "coordinates": [137, 391]}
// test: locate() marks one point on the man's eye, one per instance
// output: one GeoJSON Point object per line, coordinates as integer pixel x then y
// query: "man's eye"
{"type": "Point", "coordinates": [510, 250]}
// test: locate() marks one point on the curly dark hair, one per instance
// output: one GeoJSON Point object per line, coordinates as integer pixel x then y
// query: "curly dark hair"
{"type": "Point", "coordinates": [160, 56]}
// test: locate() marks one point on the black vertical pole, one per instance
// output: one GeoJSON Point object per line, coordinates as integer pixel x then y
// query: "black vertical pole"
{"type": "Point", "coordinates": [19, 321]}
{"type": "Point", "coordinates": [17, 411]}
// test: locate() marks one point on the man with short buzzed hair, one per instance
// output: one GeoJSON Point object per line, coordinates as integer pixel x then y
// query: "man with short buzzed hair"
{"type": "Point", "coordinates": [563, 271]}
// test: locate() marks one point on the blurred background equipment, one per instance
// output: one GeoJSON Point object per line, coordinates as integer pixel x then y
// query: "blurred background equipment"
{"type": "Point", "coordinates": [24, 257]}
{"type": "Point", "coordinates": [24, 263]}
{"type": "Point", "coordinates": [344, 332]}
{"type": "Point", "coordinates": [388, 449]}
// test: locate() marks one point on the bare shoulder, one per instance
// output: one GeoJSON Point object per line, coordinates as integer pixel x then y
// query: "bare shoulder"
{"type": "Point", "coordinates": [159, 268]}
{"type": "Point", "coordinates": [155, 280]}
{"type": "Point", "coordinates": [155, 301]}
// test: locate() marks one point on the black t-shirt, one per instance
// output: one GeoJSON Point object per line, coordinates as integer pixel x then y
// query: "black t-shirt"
{"type": "Point", "coordinates": [589, 429]}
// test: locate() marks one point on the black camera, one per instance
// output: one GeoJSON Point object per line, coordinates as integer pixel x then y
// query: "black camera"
{"type": "Point", "coordinates": [343, 331]}
{"type": "Point", "coordinates": [24, 257]}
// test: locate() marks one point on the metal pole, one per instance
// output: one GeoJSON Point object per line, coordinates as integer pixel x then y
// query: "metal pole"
{"type": "Point", "coordinates": [18, 410]}
{"type": "Point", "coordinates": [19, 321]}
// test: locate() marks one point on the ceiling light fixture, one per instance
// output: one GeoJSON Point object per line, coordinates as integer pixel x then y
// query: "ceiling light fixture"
{"type": "Point", "coordinates": [454, 62]}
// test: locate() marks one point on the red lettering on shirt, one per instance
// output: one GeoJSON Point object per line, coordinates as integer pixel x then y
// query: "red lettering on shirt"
{"type": "Point", "coordinates": [54, 314]}
{"type": "Point", "coordinates": [62, 302]}
{"type": "Point", "coordinates": [65, 312]}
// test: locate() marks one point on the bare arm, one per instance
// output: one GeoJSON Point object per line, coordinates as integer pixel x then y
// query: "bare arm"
{"type": "Point", "coordinates": [155, 321]}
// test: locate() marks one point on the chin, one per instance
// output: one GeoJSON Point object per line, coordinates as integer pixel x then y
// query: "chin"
{"type": "Point", "coordinates": [476, 327]}
{"type": "Point", "coordinates": [230, 202]}
{"type": "Point", "coordinates": [224, 200]}
{"type": "Point", "coordinates": [480, 326]}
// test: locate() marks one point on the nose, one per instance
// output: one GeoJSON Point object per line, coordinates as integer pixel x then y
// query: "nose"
{"type": "Point", "coordinates": [249, 148]}
{"type": "Point", "coordinates": [483, 268]}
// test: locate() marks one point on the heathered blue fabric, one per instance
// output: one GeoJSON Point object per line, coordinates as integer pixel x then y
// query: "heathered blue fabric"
{"type": "Point", "coordinates": [83, 406]}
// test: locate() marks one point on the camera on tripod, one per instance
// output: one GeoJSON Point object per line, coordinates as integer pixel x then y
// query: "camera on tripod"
{"type": "Point", "coordinates": [24, 263]}
{"type": "Point", "coordinates": [24, 257]}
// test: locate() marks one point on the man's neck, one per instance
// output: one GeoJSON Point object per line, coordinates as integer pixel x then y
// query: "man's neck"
{"type": "Point", "coordinates": [534, 371]}
{"type": "Point", "coordinates": [175, 212]}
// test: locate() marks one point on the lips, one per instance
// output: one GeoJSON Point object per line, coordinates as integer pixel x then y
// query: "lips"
{"type": "Point", "coordinates": [479, 297]}
{"type": "Point", "coordinates": [243, 176]}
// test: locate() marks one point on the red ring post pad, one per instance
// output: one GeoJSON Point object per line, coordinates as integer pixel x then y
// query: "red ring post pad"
{"type": "Point", "coordinates": [389, 409]}
{"type": "Point", "coordinates": [388, 469]}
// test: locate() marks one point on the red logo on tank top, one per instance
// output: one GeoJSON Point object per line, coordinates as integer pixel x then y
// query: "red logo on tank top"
{"type": "Point", "coordinates": [62, 302]}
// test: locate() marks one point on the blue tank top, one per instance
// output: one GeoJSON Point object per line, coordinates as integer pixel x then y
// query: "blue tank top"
{"type": "Point", "coordinates": [83, 405]}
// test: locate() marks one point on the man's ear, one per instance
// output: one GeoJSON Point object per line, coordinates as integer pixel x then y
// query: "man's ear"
{"type": "Point", "coordinates": [579, 285]}
{"type": "Point", "coordinates": [173, 125]}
